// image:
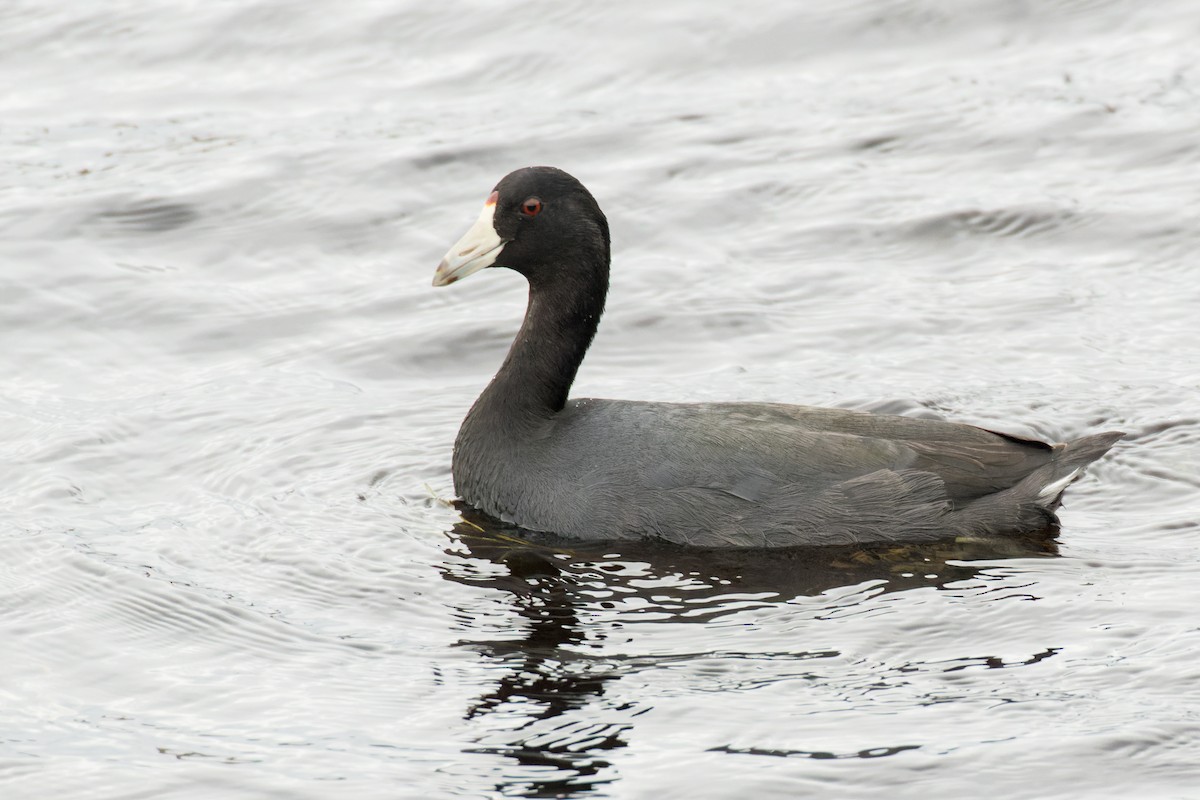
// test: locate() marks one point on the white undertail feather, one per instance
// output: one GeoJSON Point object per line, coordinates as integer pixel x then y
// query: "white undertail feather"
{"type": "Point", "coordinates": [1055, 488]}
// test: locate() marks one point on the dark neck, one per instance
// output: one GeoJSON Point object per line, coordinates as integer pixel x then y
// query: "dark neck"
{"type": "Point", "coordinates": [560, 321]}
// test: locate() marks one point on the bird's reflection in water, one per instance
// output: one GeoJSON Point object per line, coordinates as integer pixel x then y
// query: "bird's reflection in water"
{"type": "Point", "coordinates": [568, 594]}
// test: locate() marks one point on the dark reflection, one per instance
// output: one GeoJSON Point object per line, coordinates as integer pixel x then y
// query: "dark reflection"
{"type": "Point", "coordinates": [556, 586]}
{"type": "Point", "coordinates": [877, 752]}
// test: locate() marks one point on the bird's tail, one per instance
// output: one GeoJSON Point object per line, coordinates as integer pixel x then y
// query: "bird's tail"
{"type": "Point", "coordinates": [1030, 504]}
{"type": "Point", "coordinates": [1068, 465]}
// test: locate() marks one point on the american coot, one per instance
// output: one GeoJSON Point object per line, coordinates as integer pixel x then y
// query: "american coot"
{"type": "Point", "coordinates": [705, 474]}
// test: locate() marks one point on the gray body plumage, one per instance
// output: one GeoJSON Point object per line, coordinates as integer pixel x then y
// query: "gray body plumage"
{"type": "Point", "coordinates": [760, 475]}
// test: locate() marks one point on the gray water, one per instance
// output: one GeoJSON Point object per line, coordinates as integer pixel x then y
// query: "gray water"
{"type": "Point", "coordinates": [228, 563]}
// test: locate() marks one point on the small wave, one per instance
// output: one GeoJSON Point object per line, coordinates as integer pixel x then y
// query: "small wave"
{"type": "Point", "coordinates": [147, 216]}
{"type": "Point", "coordinates": [1015, 223]}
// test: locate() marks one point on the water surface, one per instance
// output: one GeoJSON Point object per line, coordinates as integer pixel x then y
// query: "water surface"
{"type": "Point", "coordinates": [227, 560]}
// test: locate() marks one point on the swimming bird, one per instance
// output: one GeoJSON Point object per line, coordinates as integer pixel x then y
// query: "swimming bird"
{"type": "Point", "coordinates": [706, 474]}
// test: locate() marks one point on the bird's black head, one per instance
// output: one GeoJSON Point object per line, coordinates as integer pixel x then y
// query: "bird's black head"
{"type": "Point", "coordinates": [539, 221]}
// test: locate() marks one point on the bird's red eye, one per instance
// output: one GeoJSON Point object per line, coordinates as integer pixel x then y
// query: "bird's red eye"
{"type": "Point", "coordinates": [531, 207]}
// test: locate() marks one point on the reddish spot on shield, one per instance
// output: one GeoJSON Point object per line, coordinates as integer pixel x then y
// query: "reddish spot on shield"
{"type": "Point", "coordinates": [492, 198]}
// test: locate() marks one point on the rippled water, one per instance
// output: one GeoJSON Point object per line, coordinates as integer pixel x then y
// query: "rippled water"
{"type": "Point", "coordinates": [227, 562]}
